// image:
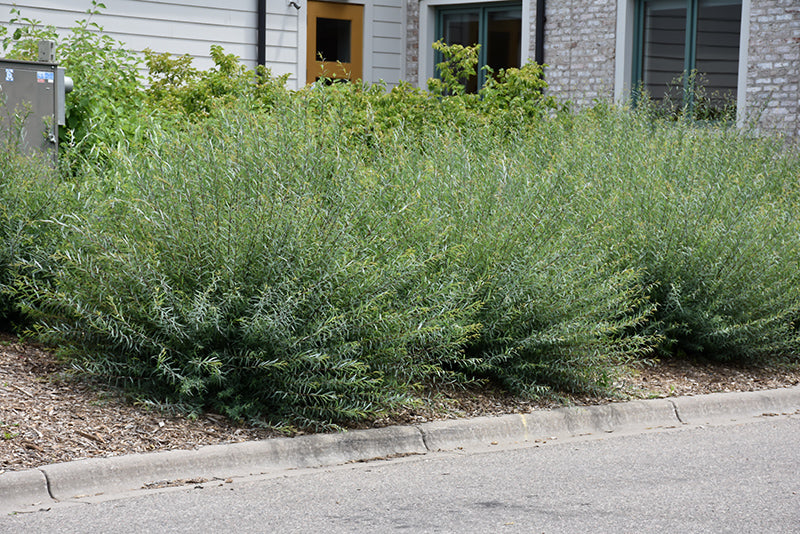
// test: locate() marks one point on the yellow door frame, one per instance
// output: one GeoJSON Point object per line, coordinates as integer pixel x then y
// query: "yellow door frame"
{"type": "Point", "coordinates": [316, 68]}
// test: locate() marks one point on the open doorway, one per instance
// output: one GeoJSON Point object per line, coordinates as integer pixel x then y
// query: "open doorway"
{"type": "Point", "coordinates": [335, 41]}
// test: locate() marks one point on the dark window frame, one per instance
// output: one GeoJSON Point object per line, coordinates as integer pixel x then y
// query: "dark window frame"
{"type": "Point", "coordinates": [692, 8]}
{"type": "Point", "coordinates": [483, 10]}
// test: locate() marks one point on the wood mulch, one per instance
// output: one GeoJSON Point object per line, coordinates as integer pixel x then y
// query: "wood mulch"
{"type": "Point", "coordinates": [48, 417]}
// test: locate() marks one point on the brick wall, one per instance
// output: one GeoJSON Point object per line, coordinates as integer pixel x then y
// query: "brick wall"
{"type": "Point", "coordinates": [579, 47]}
{"type": "Point", "coordinates": [412, 42]}
{"type": "Point", "coordinates": [773, 70]}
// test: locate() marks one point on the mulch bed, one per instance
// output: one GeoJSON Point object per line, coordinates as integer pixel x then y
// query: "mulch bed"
{"type": "Point", "coordinates": [46, 416]}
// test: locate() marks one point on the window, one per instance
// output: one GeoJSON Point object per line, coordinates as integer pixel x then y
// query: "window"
{"type": "Point", "coordinates": [335, 41]}
{"type": "Point", "coordinates": [496, 27]}
{"type": "Point", "coordinates": [683, 44]}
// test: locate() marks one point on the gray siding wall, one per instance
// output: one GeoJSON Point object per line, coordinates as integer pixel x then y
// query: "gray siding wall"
{"type": "Point", "coordinates": [773, 70]}
{"type": "Point", "coordinates": [192, 26]}
{"type": "Point", "coordinates": [283, 33]}
{"type": "Point", "coordinates": [189, 27]}
{"type": "Point", "coordinates": [387, 41]}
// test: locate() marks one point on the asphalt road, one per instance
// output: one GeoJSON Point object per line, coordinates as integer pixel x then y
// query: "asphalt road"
{"type": "Point", "coordinates": [741, 477]}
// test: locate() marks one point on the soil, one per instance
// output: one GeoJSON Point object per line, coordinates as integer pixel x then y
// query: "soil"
{"type": "Point", "coordinates": [47, 416]}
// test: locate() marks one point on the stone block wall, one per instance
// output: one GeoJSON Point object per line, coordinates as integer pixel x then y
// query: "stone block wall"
{"type": "Point", "coordinates": [773, 66]}
{"type": "Point", "coordinates": [412, 42]}
{"type": "Point", "coordinates": [580, 49]}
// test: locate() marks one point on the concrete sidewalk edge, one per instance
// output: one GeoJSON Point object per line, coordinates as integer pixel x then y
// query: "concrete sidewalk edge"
{"type": "Point", "coordinates": [35, 489]}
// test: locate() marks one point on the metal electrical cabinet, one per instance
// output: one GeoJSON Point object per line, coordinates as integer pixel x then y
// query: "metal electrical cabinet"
{"type": "Point", "coordinates": [32, 103]}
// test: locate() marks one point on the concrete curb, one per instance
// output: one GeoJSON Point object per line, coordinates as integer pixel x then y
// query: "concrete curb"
{"type": "Point", "coordinates": [34, 489]}
{"type": "Point", "coordinates": [716, 407]}
{"type": "Point", "coordinates": [23, 491]}
{"type": "Point", "coordinates": [126, 473]}
{"type": "Point", "coordinates": [557, 423]}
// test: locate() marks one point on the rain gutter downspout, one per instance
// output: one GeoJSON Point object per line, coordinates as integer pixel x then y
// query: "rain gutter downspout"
{"type": "Point", "coordinates": [540, 20]}
{"type": "Point", "coordinates": [261, 32]}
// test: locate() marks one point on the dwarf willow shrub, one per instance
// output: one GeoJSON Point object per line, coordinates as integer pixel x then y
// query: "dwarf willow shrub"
{"type": "Point", "coordinates": [251, 267]}
{"type": "Point", "coordinates": [260, 266]}
{"type": "Point", "coordinates": [709, 216]}
{"type": "Point", "coordinates": [557, 309]}
{"type": "Point", "coordinates": [555, 313]}
{"type": "Point", "coordinates": [30, 193]}
{"type": "Point", "coordinates": [311, 258]}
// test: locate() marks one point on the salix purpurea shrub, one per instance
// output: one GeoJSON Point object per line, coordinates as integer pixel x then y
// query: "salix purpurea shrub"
{"type": "Point", "coordinates": [318, 257]}
{"type": "Point", "coordinates": [710, 216]}
{"type": "Point", "coordinates": [250, 266]}
{"type": "Point", "coordinates": [30, 194]}
{"type": "Point", "coordinates": [555, 312]}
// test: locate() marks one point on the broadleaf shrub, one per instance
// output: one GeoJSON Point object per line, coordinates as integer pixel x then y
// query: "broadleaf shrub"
{"type": "Point", "coordinates": [104, 109]}
{"type": "Point", "coordinates": [173, 84]}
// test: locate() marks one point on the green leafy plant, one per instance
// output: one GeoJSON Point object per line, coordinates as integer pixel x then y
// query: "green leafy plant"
{"type": "Point", "coordinates": [30, 192]}
{"type": "Point", "coordinates": [458, 65]}
{"type": "Point", "coordinates": [520, 92]}
{"type": "Point", "coordinates": [23, 42]}
{"type": "Point", "coordinates": [687, 97]}
{"type": "Point", "coordinates": [174, 84]}
{"type": "Point", "coordinates": [319, 257]}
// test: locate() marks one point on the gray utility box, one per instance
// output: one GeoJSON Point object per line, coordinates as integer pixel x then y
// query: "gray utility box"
{"type": "Point", "coordinates": [32, 104]}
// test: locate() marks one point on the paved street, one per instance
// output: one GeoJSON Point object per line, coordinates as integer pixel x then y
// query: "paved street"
{"type": "Point", "coordinates": [741, 477]}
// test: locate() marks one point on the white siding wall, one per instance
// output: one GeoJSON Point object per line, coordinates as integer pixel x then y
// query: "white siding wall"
{"type": "Point", "coordinates": [282, 40]}
{"type": "Point", "coordinates": [192, 26]}
{"type": "Point", "coordinates": [189, 27]}
{"type": "Point", "coordinates": [388, 43]}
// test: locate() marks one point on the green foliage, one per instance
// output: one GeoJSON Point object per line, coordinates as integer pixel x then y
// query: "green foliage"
{"type": "Point", "coordinates": [517, 91]}
{"type": "Point", "coordinates": [173, 84]}
{"type": "Point", "coordinates": [709, 217]}
{"type": "Point", "coordinates": [554, 310]}
{"type": "Point", "coordinates": [315, 257]}
{"type": "Point", "coordinates": [459, 63]}
{"type": "Point", "coordinates": [508, 98]}
{"type": "Point", "coordinates": [241, 268]}
{"type": "Point", "coordinates": [23, 42]}
{"type": "Point", "coordinates": [688, 98]}
{"type": "Point", "coordinates": [106, 104]}
{"type": "Point", "coordinates": [30, 193]}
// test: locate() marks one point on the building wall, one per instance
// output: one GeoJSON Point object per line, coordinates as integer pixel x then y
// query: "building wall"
{"type": "Point", "coordinates": [189, 27]}
{"type": "Point", "coordinates": [388, 41]}
{"type": "Point", "coordinates": [773, 70]}
{"type": "Point", "coordinates": [192, 26]}
{"type": "Point", "coordinates": [579, 49]}
{"type": "Point", "coordinates": [283, 32]}
{"type": "Point", "coordinates": [531, 52]}
{"type": "Point", "coordinates": [580, 42]}
{"type": "Point", "coordinates": [413, 44]}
